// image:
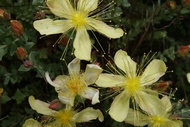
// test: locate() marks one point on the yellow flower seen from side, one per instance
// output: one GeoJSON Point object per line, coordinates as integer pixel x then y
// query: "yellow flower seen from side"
{"type": "Point", "coordinates": [81, 17]}
{"type": "Point", "coordinates": [134, 86]}
{"type": "Point", "coordinates": [157, 118]}
{"type": "Point", "coordinates": [68, 87]}
{"type": "Point", "coordinates": [66, 117]}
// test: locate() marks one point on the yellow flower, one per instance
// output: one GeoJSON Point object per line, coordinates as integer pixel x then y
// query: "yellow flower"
{"type": "Point", "coordinates": [158, 118]}
{"type": "Point", "coordinates": [31, 123]}
{"type": "Point", "coordinates": [66, 117]}
{"type": "Point", "coordinates": [68, 87]}
{"type": "Point", "coordinates": [188, 77]}
{"type": "Point", "coordinates": [82, 15]}
{"type": "Point", "coordinates": [133, 85]}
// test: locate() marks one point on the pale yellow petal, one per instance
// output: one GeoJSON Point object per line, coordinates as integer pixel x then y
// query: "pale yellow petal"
{"type": "Point", "coordinates": [92, 73]}
{"type": "Point", "coordinates": [89, 114]}
{"type": "Point", "coordinates": [74, 66]}
{"type": "Point", "coordinates": [105, 29]}
{"type": "Point", "coordinates": [178, 123]}
{"type": "Point", "coordinates": [92, 94]}
{"type": "Point", "coordinates": [31, 123]}
{"type": "Point", "coordinates": [167, 103]}
{"type": "Point", "coordinates": [136, 118]}
{"type": "Point", "coordinates": [150, 103]}
{"type": "Point", "coordinates": [125, 63]}
{"type": "Point", "coordinates": [110, 80]}
{"type": "Point", "coordinates": [188, 77]}
{"type": "Point", "coordinates": [40, 106]}
{"type": "Point", "coordinates": [66, 97]}
{"type": "Point", "coordinates": [61, 8]}
{"type": "Point", "coordinates": [61, 80]}
{"type": "Point", "coordinates": [49, 26]}
{"type": "Point", "coordinates": [87, 5]}
{"type": "Point", "coordinates": [120, 107]}
{"type": "Point", "coordinates": [82, 45]}
{"type": "Point", "coordinates": [155, 69]}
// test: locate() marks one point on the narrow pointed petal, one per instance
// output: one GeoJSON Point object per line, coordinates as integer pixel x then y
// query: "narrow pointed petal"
{"type": "Point", "coordinates": [89, 114]}
{"type": "Point", "coordinates": [87, 5]}
{"type": "Point", "coordinates": [92, 73]}
{"type": "Point", "coordinates": [31, 123]}
{"type": "Point", "coordinates": [120, 107]}
{"type": "Point", "coordinates": [105, 29]}
{"type": "Point", "coordinates": [66, 97]}
{"type": "Point", "coordinates": [136, 118]}
{"type": "Point", "coordinates": [155, 69]}
{"type": "Point", "coordinates": [82, 45]}
{"type": "Point", "coordinates": [74, 66]}
{"type": "Point", "coordinates": [50, 81]}
{"type": "Point", "coordinates": [125, 63]}
{"type": "Point", "coordinates": [188, 77]}
{"type": "Point", "coordinates": [110, 80]}
{"type": "Point", "coordinates": [61, 8]}
{"type": "Point", "coordinates": [92, 94]}
{"type": "Point", "coordinates": [40, 106]}
{"type": "Point", "coordinates": [49, 26]}
{"type": "Point", "coordinates": [150, 103]}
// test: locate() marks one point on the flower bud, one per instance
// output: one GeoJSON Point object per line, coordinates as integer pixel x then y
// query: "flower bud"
{"type": "Point", "coordinates": [21, 53]}
{"type": "Point", "coordinates": [184, 50]}
{"type": "Point", "coordinates": [2, 13]}
{"type": "Point", "coordinates": [172, 4]}
{"type": "Point", "coordinates": [27, 63]}
{"type": "Point", "coordinates": [17, 27]}
{"type": "Point", "coordinates": [56, 105]}
{"type": "Point", "coordinates": [186, 2]}
{"type": "Point", "coordinates": [162, 85]}
{"type": "Point", "coordinates": [63, 40]}
{"type": "Point", "coordinates": [7, 15]}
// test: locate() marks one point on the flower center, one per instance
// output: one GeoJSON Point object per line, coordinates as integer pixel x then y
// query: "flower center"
{"type": "Point", "coordinates": [75, 84]}
{"type": "Point", "coordinates": [158, 120]}
{"type": "Point", "coordinates": [79, 19]}
{"type": "Point", "coordinates": [64, 117]}
{"type": "Point", "coordinates": [132, 86]}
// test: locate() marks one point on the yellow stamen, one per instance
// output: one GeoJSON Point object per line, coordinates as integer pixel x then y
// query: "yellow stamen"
{"type": "Point", "coordinates": [132, 86]}
{"type": "Point", "coordinates": [76, 84]}
{"type": "Point", "coordinates": [79, 19]}
{"type": "Point", "coordinates": [158, 120]}
{"type": "Point", "coordinates": [64, 117]}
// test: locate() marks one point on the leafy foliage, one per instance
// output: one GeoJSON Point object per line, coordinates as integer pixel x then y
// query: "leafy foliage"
{"type": "Point", "coordinates": [157, 26]}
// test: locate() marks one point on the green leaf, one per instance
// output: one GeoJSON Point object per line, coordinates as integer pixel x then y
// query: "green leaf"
{"type": "Point", "coordinates": [7, 79]}
{"type": "Point", "coordinates": [36, 2]}
{"type": "Point", "coordinates": [23, 68]}
{"type": "Point", "coordinates": [3, 51]}
{"type": "Point", "coordinates": [126, 3]}
{"type": "Point", "coordinates": [29, 45]}
{"type": "Point", "coordinates": [19, 96]}
{"type": "Point", "coordinates": [3, 70]}
{"type": "Point", "coordinates": [5, 98]}
{"type": "Point", "coordinates": [13, 48]}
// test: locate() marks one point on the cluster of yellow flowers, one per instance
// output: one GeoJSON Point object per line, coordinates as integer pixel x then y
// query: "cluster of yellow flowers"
{"type": "Point", "coordinates": [136, 103]}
